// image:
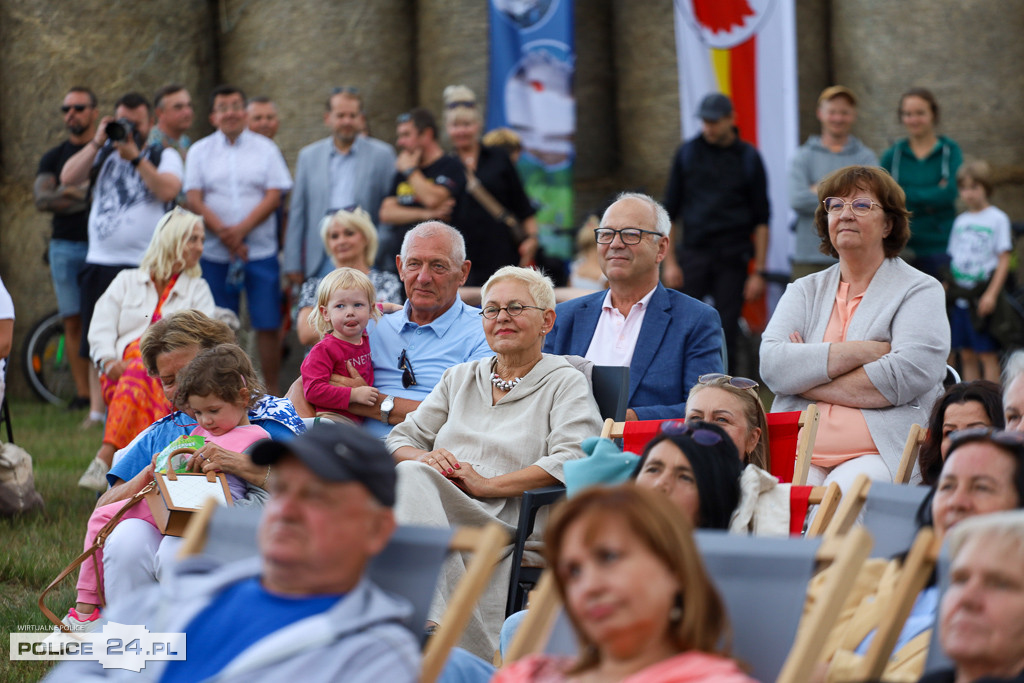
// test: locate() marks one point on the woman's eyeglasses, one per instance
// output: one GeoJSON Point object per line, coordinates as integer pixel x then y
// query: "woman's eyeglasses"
{"type": "Point", "coordinates": [405, 365]}
{"type": "Point", "coordinates": [861, 206]}
{"type": "Point", "coordinates": [515, 309]}
{"type": "Point", "coordinates": [700, 435]}
{"type": "Point", "coordinates": [713, 378]}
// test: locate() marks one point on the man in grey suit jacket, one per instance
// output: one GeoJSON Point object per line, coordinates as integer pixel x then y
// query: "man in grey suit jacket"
{"type": "Point", "coordinates": [345, 170]}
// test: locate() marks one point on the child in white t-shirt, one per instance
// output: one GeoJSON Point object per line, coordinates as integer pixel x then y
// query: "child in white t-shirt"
{"type": "Point", "coordinates": [979, 247]}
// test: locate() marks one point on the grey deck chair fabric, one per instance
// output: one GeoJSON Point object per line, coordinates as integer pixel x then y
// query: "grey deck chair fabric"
{"type": "Point", "coordinates": [890, 516]}
{"type": "Point", "coordinates": [763, 583]}
{"type": "Point", "coordinates": [408, 566]}
{"type": "Point", "coordinates": [936, 658]}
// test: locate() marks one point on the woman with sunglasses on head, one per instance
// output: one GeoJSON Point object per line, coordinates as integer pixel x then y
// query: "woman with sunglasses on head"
{"type": "Point", "coordinates": [733, 404]}
{"type": "Point", "coordinates": [490, 430]}
{"type": "Point", "coordinates": [983, 473]}
{"type": "Point", "coordinates": [695, 465]}
{"type": "Point", "coordinates": [866, 339]}
{"type": "Point", "coordinates": [494, 214]}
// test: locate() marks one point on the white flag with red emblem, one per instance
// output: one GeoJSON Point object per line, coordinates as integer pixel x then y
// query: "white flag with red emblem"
{"type": "Point", "coordinates": [747, 50]}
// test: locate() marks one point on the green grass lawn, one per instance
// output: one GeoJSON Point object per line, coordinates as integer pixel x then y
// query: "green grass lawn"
{"type": "Point", "coordinates": [37, 546]}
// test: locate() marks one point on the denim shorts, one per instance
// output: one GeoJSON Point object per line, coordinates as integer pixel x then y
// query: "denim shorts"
{"type": "Point", "coordinates": [262, 290]}
{"type": "Point", "coordinates": [964, 336]}
{"type": "Point", "coordinates": [66, 260]}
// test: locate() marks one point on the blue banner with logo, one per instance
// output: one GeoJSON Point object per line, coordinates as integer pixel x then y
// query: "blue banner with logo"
{"type": "Point", "coordinates": [533, 62]}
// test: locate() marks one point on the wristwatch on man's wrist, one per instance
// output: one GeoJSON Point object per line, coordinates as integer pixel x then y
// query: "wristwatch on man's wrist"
{"type": "Point", "coordinates": [386, 406]}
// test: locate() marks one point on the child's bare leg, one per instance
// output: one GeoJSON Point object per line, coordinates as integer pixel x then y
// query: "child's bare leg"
{"type": "Point", "coordinates": [969, 368]}
{"type": "Point", "coordinates": [990, 365]}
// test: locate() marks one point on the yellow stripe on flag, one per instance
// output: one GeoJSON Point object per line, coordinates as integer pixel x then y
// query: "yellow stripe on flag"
{"type": "Point", "coordinates": [720, 63]}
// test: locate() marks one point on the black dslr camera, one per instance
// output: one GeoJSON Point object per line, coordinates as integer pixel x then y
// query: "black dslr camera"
{"type": "Point", "coordinates": [120, 130]}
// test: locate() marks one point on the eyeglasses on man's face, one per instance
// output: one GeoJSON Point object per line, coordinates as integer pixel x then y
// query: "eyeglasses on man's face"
{"type": "Point", "coordinates": [77, 107]}
{"type": "Point", "coordinates": [628, 236]}
{"type": "Point", "coordinates": [860, 206]}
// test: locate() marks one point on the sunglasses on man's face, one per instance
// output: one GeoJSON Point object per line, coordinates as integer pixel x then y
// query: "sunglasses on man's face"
{"type": "Point", "coordinates": [77, 107]}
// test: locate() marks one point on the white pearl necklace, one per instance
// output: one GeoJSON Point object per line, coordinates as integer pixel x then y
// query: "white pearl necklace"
{"type": "Point", "coordinates": [504, 385]}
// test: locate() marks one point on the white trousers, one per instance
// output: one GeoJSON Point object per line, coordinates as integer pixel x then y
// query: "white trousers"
{"type": "Point", "coordinates": [136, 554]}
{"type": "Point", "coordinates": [843, 474]}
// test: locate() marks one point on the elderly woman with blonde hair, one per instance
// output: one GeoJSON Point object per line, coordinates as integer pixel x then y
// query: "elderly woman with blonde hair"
{"type": "Point", "coordinates": [490, 430]}
{"type": "Point", "coordinates": [167, 280]}
{"type": "Point", "coordinates": [494, 215]}
{"type": "Point", "coordinates": [350, 239]}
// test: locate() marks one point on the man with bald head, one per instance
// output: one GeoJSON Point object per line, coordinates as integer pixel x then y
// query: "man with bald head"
{"type": "Point", "coordinates": [435, 330]}
{"type": "Point", "coordinates": [666, 338]}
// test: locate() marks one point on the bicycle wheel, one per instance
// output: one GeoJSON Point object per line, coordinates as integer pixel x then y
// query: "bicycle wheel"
{"type": "Point", "coordinates": [46, 361]}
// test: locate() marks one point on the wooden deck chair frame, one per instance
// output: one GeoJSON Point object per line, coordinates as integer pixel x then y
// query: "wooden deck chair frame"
{"type": "Point", "coordinates": [912, 449]}
{"type": "Point", "coordinates": [486, 543]}
{"type": "Point", "coordinates": [827, 499]}
{"type": "Point", "coordinates": [917, 567]}
{"type": "Point", "coordinates": [845, 555]}
{"type": "Point", "coordinates": [849, 507]}
{"type": "Point", "coordinates": [810, 417]}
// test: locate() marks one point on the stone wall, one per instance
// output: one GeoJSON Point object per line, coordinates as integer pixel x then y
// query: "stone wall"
{"type": "Point", "coordinates": [401, 53]}
{"type": "Point", "coordinates": [47, 46]}
{"type": "Point", "coordinates": [295, 52]}
{"type": "Point", "coordinates": [968, 53]}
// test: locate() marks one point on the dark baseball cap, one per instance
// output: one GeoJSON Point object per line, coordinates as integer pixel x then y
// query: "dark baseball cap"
{"type": "Point", "coordinates": [338, 452]}
{"type": "Point", "coordinates": [714, 107]}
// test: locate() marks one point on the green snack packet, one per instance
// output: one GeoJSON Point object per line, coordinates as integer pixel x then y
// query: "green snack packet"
{"type": "Point", "coordinates": [179, 463]}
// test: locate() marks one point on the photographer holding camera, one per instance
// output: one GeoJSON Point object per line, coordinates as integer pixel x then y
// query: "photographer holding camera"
{"type": "Point", "coordinates": [132, 186]}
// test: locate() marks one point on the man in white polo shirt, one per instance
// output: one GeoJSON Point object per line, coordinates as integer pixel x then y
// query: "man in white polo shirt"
{"type": "Point", "coordinates": [234, 178]}
{"type": "Point", "coordinates": [666, 338]}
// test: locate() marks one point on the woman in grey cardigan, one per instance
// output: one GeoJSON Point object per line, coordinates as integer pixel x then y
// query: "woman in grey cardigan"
{"type": "Point", "coordinates": [490, 430]}
{"type": "Point", "coordinates": [866, 339]}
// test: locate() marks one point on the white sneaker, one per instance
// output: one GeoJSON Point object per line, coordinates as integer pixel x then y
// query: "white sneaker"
{"type": "Point", "coordinates": [77, 626]}
{"type": "Point", "coordinates": [95, 478]}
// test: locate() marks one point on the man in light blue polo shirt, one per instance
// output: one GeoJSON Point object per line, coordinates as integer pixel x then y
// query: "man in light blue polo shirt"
{"type": "Point", "coordinates": [435, 330]}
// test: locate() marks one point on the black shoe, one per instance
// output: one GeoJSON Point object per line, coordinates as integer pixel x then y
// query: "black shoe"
{"type": "Point", "coordinates": [78, 403]}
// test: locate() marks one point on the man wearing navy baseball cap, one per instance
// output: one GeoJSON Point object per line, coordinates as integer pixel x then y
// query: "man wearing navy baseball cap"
{"type": "Point", "coordinates": [717, 196]}
{"type": "Point", "coordinates": [302, 610]}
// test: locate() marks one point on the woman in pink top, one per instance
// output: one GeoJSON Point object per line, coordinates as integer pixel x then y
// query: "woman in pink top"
{"type": "Point", "coordinates": [631, 578]}
{"type": "Point", "coordinates": [866, 339]}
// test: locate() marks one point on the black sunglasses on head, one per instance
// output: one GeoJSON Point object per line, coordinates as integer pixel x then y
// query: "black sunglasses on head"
{"type": "Point", "coordinates": [1000, 437]}
{"type": "Point", "coordinates": [702, 436]}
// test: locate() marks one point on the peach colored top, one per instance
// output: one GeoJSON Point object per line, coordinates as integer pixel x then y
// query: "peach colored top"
{"type": "Point", "coordinates": [842, 432]}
